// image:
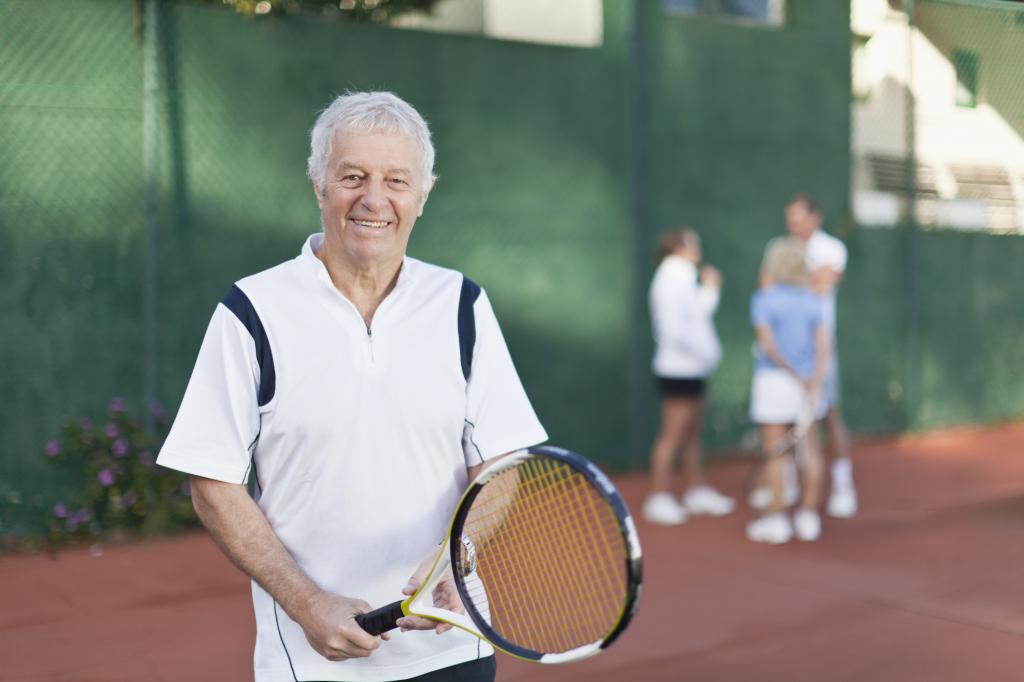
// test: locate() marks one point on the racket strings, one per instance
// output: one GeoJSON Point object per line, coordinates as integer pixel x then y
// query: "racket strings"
{"type": "Point", "coordinates": [551, 560]}
{"type": "Point", "coordinates": [575, 490]}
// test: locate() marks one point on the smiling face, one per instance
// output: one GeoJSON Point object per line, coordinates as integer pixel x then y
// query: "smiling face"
{"type": "Point", "coordinates": [371, 197]}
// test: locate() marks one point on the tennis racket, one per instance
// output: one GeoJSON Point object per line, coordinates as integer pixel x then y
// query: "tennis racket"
{"type": "Point", "coordinates": [758, 494]}
{"type": "Point", "coordinates": [545, 558]}
{"type": "Point", "coordinates": [796, 434]}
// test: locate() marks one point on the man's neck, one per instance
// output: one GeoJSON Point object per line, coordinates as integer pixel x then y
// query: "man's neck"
{"type": "Point", "coordinates": [366, 285]}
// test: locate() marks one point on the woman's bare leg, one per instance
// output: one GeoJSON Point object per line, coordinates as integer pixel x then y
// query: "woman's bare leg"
{"type": "Point", "coordinates": [771, 436]}
{"type": "Point", "coordinates": [674, 415]}
{"type": "Point", "coordinates": [812, 471]}
{"type": "Point", "coordinates": [691, 445]}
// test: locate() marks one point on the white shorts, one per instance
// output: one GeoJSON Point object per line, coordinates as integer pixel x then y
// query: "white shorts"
{"type": "Point", "coordinates": [776, 397]}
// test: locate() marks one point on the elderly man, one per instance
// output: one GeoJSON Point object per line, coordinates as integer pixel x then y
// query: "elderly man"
{"type": "Point", "coordinates": [362, 390]}
{"type": "Point", "coordinates": [826, 261]}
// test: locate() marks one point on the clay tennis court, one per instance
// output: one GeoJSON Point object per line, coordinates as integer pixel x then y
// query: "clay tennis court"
{"type": "Point", "coordinates": [923, 585]}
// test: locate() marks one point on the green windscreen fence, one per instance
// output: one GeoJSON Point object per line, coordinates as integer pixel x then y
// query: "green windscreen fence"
{"type": "Point", "coordinates": [149, 161]}
{"type": "Point", "coordinates": [529, 202]}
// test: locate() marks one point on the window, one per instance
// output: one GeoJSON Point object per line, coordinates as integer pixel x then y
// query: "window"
{"type": "Point", "coordinates": [770, 12]}
{"type": "Point", "coordinates": [966, 64]}
{"type": "Point", "coordinates": [576, 23]}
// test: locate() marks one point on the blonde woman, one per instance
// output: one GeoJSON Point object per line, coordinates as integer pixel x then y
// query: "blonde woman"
{"type": "Point", "coordinates": [792, 357]}
{"type": "Point", "coordinates": [683, 301]}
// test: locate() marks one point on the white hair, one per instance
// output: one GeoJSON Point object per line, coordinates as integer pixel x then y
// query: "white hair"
{"type": "Point", "coordinates": [367, 112]}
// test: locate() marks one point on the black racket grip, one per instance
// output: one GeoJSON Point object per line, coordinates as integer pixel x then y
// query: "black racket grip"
{"type": "Point", "coordinates": [381, 620]}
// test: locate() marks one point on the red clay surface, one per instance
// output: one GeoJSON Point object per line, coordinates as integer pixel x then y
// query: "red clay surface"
{"type": "Point", "coordinates": [923, 585]}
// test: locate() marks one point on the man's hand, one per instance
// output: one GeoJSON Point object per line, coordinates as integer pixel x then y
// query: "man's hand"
{"type": "Point", "coordinates": [331, 629]}
{"type": "Point", "coordinates": [446, 596]}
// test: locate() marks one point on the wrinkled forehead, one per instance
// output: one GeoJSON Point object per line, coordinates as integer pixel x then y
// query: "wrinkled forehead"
{"type": "Point", "coordinates": [376, 151]}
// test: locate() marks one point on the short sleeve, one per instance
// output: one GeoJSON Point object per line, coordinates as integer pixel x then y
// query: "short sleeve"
{"type": "Point", "coordinates": [759, 314]}
{"type": "Point", "coordinates": [219, 419]}
{"type": "Point", "coordinates": [827, 252]}
{"type": "Point", "coordinates": [499, 418]}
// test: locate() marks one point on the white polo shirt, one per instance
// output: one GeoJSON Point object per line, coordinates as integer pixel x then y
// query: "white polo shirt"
{"type": "Point", "coordinates": [359, 438]}
{"type": "Point", "coordinates": [825, 251]}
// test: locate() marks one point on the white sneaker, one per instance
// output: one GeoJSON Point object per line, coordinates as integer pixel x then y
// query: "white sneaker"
{"type": "Point", "coordinates": [842, 504]}
{"type": "Point", "coordinates": [774, 529]}
{"type": "Point", "coordinates": [663, 509]}
{"type": "Point", "coordinates": [704, 499]}
{"type": "Point", "coordinates": [807, 525]}
{"type": "Point", "coordinates": [761, 497]}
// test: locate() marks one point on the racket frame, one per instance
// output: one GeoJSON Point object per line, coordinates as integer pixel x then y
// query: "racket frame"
{"type": "Point", "coordinates": [634, 560]}
{"type": "Point", "coordinates": [473, 622]}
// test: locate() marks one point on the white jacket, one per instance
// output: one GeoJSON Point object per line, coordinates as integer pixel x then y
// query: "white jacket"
{"type": "Point", "coordinates": [686, 345]}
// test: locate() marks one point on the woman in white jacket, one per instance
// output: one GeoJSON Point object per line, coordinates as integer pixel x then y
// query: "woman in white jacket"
{"type": "Point", "coordinates": [687, 351]}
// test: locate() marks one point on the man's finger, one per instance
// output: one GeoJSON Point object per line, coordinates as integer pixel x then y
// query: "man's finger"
{"type": "Point", "coordinates": [354, 637]}
{"type": "Point", "coordinates": [416, 623]}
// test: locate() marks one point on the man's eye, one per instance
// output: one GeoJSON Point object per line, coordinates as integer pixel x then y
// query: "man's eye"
{"type": "Point", "coordinates": [399, 181]}
{"type": "Point", "coordinates": [351, 178]}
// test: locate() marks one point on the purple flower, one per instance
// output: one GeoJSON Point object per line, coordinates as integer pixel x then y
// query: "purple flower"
{"type": "Point", "coordinates": [186, 488]}
{"type": "Point", "coordinates": [119, 447]}
{"type": "Point", "coordinates": [111, 430]}
{"type": "Point", "coordinates": [83, 515]}
{"type": "Point", "coordinates": [106, 477]}
{"type": "Point", "coordinates": [158, 412]}
{"type": "Point", "coordinates": [85, 423]}
{"type": "Point", "coordinates": [60, 510]}
{"type": "Point", "coordinates": [116, 405]}
{"type": "Point", "coordinates": [52, 448]}
{"type": "Point", "coordinates": [146, 458]}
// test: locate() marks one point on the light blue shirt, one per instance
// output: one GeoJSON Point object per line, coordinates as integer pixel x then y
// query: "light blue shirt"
{"type": "Point", "coordinates": [794, 315]}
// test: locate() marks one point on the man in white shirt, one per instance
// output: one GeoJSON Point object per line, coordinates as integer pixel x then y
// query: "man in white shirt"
{"type": "Point", "coordinates": [826, 260]}
{"type": "Point", "coordinates": [362, 389]}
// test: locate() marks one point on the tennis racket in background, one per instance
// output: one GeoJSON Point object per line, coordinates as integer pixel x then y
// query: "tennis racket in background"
{"type": "Point", "coordinates": [759, 496]}
{"type": "Point", "coordinates": [545, 558]}
{"type": "Point", "coordinates": [796, 434]}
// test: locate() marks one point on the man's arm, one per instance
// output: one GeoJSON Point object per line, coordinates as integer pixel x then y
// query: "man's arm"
{"type": "Point", "coordinates": [825, 279]}
{"type": "Point", "coordinates": [822, 355]}
{"type": "Point", "coordinates": [243, 533]}
{"type": "Point", "coordinates": [446, 595]}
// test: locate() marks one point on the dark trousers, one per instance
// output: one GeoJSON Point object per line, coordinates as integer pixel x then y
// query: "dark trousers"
{"type": "Point", "coordinates": [480, 670]}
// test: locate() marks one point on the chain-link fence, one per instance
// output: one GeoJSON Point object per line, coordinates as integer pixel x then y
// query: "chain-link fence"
{"type": "Point", "coordinates": [148, 160]}
{"type": "Point", "coordinates": [938, 152]}
{"type": "Point", "coordinates": [151, 158]}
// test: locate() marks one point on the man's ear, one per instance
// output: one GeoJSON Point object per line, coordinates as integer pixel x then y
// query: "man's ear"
{"type": "Point", "coordinates": [426, 192]}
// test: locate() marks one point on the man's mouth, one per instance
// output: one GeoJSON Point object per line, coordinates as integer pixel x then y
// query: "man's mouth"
{"type": "Point", "coordinates": [372, 224]}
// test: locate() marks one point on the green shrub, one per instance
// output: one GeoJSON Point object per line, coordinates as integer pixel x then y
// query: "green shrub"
{"type": "Point", "coordinates": [118, 488]}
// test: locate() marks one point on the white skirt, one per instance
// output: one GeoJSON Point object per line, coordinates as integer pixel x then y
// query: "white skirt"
{"type": "Point", "coordinates": [776, 397]}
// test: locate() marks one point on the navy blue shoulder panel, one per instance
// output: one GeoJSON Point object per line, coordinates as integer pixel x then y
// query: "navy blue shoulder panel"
{"type": "Point", "coordinates": [467, 323]}
{"type": "Point", "coordinates": [237, 302]}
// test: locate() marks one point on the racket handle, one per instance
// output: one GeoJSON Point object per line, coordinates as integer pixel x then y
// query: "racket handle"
{"type": "Point", "coordinates": [381, 620]}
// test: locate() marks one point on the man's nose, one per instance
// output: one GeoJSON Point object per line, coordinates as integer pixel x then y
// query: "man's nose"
{"type": "Point", "coordinates": [374, 197]}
